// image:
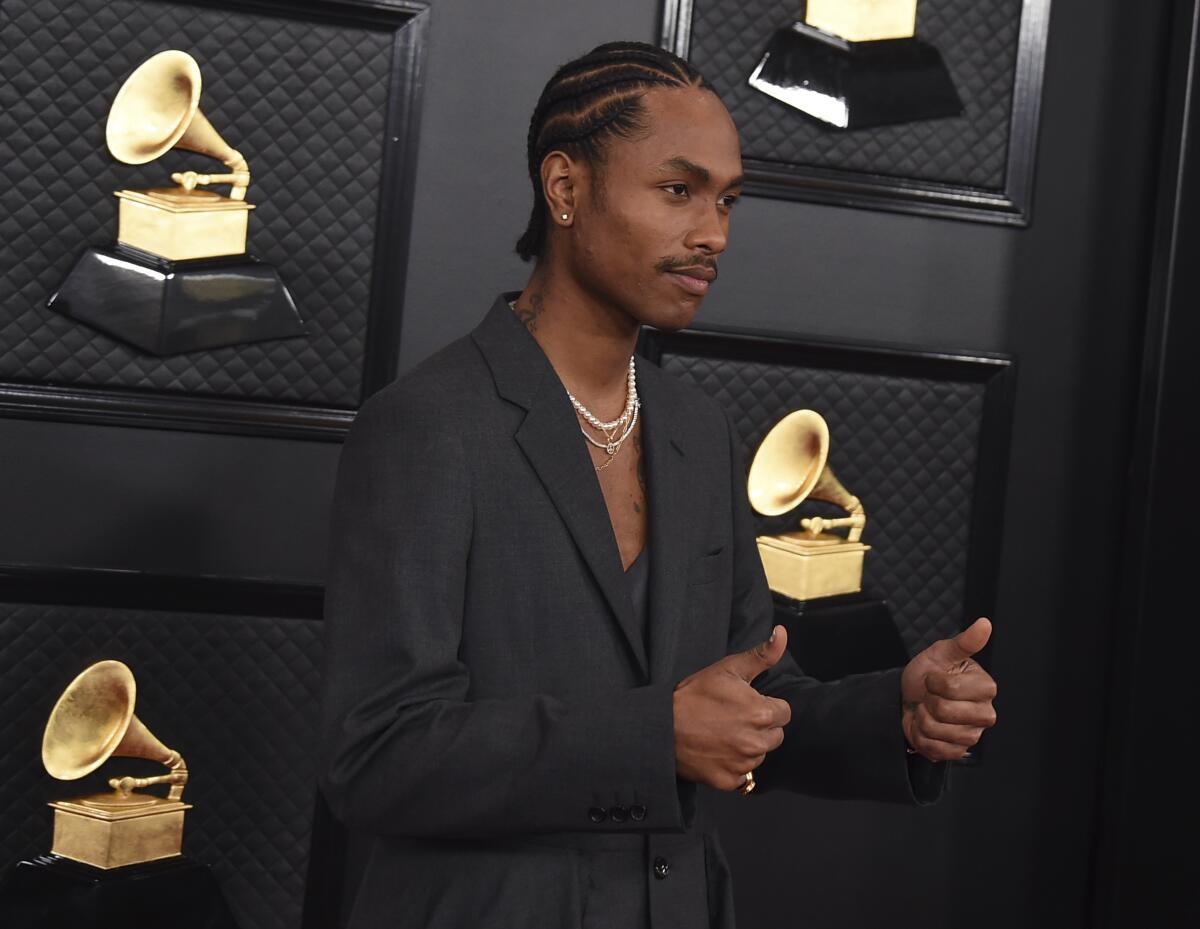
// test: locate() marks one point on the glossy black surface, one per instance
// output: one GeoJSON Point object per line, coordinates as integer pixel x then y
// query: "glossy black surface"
{"type": "Point", "coordinates": [50, 892]}
{"type": "Point", "coordinates": [168, 307]}
{"type": "Point", "coordinates": [835, 636]}
{"type": "Point", "coordinates": [853, 85]}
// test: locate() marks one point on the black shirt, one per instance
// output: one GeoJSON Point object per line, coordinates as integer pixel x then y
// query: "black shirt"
{"type": "Point", "coordinates": [637, 579]}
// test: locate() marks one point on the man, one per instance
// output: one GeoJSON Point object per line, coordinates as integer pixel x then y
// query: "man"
{"type": "Point", "coordinates": [547, 620]}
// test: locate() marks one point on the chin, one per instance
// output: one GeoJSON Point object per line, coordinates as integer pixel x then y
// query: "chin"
{"type": "Point", "coordinates": [677, 317]}
{"type": "Point", "coordinates": [670, 314]}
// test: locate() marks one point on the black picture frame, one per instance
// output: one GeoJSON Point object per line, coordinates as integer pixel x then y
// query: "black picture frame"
{"type": "Point", "coordinates": [995, 372]}
{"type": "Point", "coordinates": [408, 23]}
{"type": "Point", "coordinates": [1009, 204]}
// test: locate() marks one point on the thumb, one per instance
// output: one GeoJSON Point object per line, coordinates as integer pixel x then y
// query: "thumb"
{"type": "Point", "coordinates": [754, 661]}
{"type": "Point", "coordinates": [973, 638]}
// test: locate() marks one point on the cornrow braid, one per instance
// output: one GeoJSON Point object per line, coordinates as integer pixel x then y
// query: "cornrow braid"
{"type": "Point", "coordinates": [586, 103]}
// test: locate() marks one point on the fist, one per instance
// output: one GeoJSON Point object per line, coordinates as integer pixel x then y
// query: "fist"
{"type": "Point", "coordinates": [724, 728]}
{"type": "Point", "coordinates": [947, 696]}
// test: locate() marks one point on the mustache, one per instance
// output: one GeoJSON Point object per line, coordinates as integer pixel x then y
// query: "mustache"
{"type": "Point", "coordinates": [674, 264]}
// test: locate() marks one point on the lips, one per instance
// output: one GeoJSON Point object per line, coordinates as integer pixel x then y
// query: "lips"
{"type": "Point", "coordinates": [694, 280]}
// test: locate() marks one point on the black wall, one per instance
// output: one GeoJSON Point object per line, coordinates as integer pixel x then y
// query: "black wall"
{"type": "Point", "coordinates": [1065, 296]}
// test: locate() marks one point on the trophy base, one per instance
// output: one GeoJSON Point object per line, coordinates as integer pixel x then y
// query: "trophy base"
{"type": "Point", "coordinates": [856, 85]}
{"type": "Point", "coordinates": [802, 567]}
{"type": "Point", "coordinates": [49, 892]}
{"type": "Point", "coordinates": [836, 636]}
{"type": "Point", "coordinates": [109, 831]}
{"type": "Point", "coordinates": [181, 225]}
{"type": "Point", "coordinates": [168, 307]}
{"type": "Point", "coordinates": [863, 20]}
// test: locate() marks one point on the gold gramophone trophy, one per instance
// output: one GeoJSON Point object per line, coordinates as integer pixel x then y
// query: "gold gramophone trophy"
{"type": "Point", "coordinates": [93, 721]}
{"type": "Point", "coordinates": [179, 277]}
{"type": "Point", "coordinates": [857, 63]}
{"type": "Point", "coordinates": [157, 109]}
{"type": "Point", "coordinates": [115, 859]}
{"type": "Point", "coordinates": [789, 467]}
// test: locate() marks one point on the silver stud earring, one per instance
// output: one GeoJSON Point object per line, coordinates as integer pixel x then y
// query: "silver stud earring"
{"type": "Point", "coordinates": [564, 216]}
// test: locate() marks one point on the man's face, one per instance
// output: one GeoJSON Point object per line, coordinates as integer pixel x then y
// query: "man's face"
{"type": "Point", "coordinates": [648, 239]}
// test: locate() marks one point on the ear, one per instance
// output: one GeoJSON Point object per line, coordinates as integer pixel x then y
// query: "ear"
{"type": "Point", "coordinates": [560, 178]}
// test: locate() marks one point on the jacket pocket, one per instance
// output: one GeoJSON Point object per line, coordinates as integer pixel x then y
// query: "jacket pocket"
{"type": "Point", "coordinates": [706, 568]}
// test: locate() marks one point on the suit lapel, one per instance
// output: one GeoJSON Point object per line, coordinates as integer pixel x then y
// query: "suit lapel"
{"type": "Point", "coordinates": [549, 437]}
{"type": "Point", "coordinates": [663, 443]}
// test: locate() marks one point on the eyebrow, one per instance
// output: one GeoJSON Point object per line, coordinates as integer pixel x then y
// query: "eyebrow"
{"type": "Point", "coordinates": [679, 163]}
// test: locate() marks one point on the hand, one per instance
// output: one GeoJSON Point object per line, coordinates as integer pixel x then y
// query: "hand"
{"type": "Point", "coordinates": [723, 726]}
{"type": "Point", "coordinates": [947, 696]}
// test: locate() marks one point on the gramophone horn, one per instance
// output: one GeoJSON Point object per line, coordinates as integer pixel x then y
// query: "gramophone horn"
{"type": "Point", "coordinates": [158, 108]}
{"type": "Point", "coordinates": [791, 466]}
{"type": "Point", "coordinates": [789, 462]}
{"type": "Point", "coordinates": [93, 721]}
{"type": "Point", "coordinates": [154, 107]}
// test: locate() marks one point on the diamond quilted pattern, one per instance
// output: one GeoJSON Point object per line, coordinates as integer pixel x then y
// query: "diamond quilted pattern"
{"type": "Point", "coordinates": [236, 695]}
{"type": "Point", "coordinates": [978, 42]}
{"type": "Point", "coordinates": [304, 101]}
{"type": "Point", "coordinates": [905, 446]}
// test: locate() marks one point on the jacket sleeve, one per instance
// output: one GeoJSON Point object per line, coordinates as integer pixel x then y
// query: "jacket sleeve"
{"type": "Point", "coordinates": [844, 740]}
{"type": "Point", "coordinates": [403, 750]}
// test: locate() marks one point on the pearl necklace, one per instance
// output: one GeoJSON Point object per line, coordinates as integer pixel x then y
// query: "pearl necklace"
{"type": "Point", "coordinates": [631, 399]}
{"type": "Point", "coordinates": [612, 446]}
{"type": "Point", "coordinates": [627, 420]}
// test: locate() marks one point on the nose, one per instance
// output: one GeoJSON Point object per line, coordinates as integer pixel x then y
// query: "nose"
{"type": "Point", "coordinates": [710, 231]}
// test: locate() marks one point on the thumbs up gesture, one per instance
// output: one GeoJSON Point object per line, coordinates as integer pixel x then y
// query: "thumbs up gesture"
{"type": "Point", "coordinates": [723, 726]}
{"type": "Point", "coordinates": [947, 696]}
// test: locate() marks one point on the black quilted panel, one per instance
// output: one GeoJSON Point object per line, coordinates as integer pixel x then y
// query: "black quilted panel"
{"type": "Point", "coordinates": [905, 446]}
{"type": "Point", "coordinates": [236, 695]}
{"type": "Point", "coordinates": [304, 101]}
{"type": "Point", "coordinates": [977, 40]}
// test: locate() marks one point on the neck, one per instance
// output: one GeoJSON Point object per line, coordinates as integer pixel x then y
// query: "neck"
{"type": "Point", "coordinates": [587, 340]}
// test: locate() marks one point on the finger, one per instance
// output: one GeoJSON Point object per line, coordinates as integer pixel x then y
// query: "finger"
{"type": "Point", "coordinates": [768, 713]}
{"type": "Point", "coordinates": [754, 661]}
{"type": "Point", "coordinates": [780, 713]}
{"type": "Point", "coordinates": [734, 776]}
{"type": "Point", "coordinates": [750, 743]}
{"type": "Point", "coordinates": [936, 750]}
{"type": "Point", "coordinates": [971, 684]}
{"type": "Point", "coordinates": [973, 638]}
{"type": "Point", "coordinates": [960, 712]}
{"type": "Point", "coordinates": [928, 727]}
{"type": "Point", "coordinates": [757, 745]}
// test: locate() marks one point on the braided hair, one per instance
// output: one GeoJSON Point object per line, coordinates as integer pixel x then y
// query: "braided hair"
{"type": "Point", "coordinates": [586, 103]}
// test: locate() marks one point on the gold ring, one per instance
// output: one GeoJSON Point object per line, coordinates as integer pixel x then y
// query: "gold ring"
{"type": "Point", "coordinates": [749, 785]}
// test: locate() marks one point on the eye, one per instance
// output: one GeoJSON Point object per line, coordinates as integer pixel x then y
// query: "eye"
{"type": "Point", "coordinates": [679, 190]}
{"type": "Point", "coordinates": [729, 200]}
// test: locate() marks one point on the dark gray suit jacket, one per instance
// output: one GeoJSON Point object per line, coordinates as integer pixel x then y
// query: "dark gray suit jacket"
{"type": "Point", "coordinates": [491, 714]}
